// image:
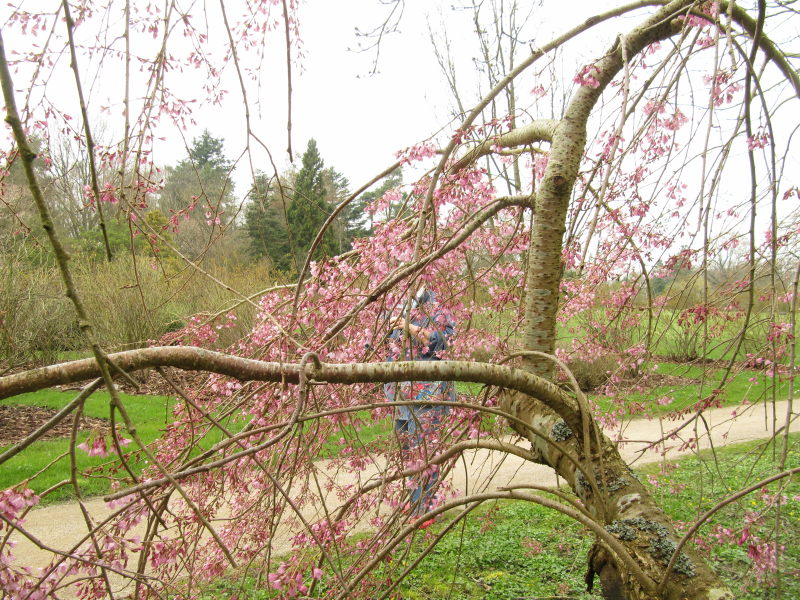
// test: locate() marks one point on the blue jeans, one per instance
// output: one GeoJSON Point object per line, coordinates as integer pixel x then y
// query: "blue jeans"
{"type": "Point", "coordinates": [413, 432]}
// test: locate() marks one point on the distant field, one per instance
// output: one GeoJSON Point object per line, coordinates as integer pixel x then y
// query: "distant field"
{"type": "Point", "coordinates": [673, 337]}
{"type": "Point", "coordinates": [746, 386]}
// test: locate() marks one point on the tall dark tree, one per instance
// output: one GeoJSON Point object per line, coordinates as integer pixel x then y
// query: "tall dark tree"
{"type": "Point", "coordinates": [359, 220]}
{"type": "Point", "coordinates": [208, 152]}
{"type": "Point", "coordinates": [309, 207]}
{"type": "Point", "coordinates": [271, 235]}
{"type": "Point", "coordinates": [265, 223]}
{"type": "Point", "coordinates": [336, 191]}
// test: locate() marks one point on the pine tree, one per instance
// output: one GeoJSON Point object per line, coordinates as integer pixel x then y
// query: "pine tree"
{"type": "Point", "coordinates": [336, 191]}
{"type": "Point", "coordinates": [208, 151]}
{"type": "Point", "coordinates": [203, 181]}
{"type": "Point", "coordinates": [359, 222]}
{"type": "Point", "coordinates": [310, 208]}
{"type": "Point", "coordinates": [265, 223]}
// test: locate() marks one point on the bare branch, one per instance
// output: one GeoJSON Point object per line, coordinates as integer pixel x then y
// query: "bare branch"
{"type": "Point", "coordinates": [244, 369]}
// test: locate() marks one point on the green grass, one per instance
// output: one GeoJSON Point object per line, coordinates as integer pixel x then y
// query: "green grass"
{"type": "Point", "coordinates": [47, 461]}
{"type": "Point", "coordinates": [510, 551]}
{"type": "Point", "coordinates": [516, 550]}
{"type": "Point", "coordinates": [470, 389]}
{"type": "Point", "coordinates": [674, 340]}
{"type": "Point", "coordinates": [493, 564]}
{"type": "Point", "coordinates": [362, 431]}
{"type": "Point", "coordinates": [148, 412]}
{"type": "Point", "coordinates": [506, 551]}
{"type": "Point", "coordinates": [702, 481]}
{"type": "Point", "coordinates": [738, 388]}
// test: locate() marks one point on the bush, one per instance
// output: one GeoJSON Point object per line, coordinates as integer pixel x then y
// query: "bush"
{"type": "Point", "coordinates": [38, 323]}
{"type": "Point", "coordinates": [150, 302]}
{"type": "Point", "coordinates": [592, 374]}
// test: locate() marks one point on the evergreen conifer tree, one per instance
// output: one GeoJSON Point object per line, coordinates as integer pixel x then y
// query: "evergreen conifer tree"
{"type": "Point", "coordinates": [265, 223]}
{"type": "Point", "coordinates": [309, 207]}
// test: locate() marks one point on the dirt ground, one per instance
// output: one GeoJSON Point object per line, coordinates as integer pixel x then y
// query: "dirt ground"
{"type": "Point", "coordinates": [18, 421]}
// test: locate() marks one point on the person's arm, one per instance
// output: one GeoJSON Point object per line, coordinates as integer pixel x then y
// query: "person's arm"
{"type": "Point", "coordinates": [421, 334]}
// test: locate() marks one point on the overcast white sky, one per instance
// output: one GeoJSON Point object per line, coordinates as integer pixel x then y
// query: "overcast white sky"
{"type": "Point", "coordinates": [361, 119]}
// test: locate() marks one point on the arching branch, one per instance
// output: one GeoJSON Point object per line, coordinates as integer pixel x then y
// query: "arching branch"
{"type": "Point", "coordinates": [541, 130]}
{"type": "Point", "coordinates": [198, 359]}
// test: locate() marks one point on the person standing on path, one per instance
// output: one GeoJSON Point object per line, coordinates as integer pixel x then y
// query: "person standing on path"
{"type": "Point", "coordinates": [418, 426]}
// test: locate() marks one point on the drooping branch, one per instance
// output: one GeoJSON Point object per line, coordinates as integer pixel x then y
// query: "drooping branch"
{"type": "Point", "coordinates": [90, 147]}
{"type": "Point", "coordinates": [451, 452]}
{"type": "Point", "coordinates": [199, 359]}
{"type": "Point", "coordinates": [61, 255]}
{"type": "Point", "coordinates": [712, 511]}
{"type": "Point", "coordinates": [764, 43]}
{"type": "Point", "coordinates": [408, 270]}
{"type": "Point", "coordinates": [286, 21]}
{"type": "Point", "coordinates": [72, 555]}
{"type": "Point", "coordinates": [327, 224]}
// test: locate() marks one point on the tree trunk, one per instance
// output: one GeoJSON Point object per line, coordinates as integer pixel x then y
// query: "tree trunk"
{"type": "Point", "coordinates": [616, 499]}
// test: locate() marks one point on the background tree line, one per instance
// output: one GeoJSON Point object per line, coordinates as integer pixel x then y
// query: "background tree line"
{"type": "Point", "coordinates": [283, 214]}
{"type": "Point", "coordinates": [192, 212]}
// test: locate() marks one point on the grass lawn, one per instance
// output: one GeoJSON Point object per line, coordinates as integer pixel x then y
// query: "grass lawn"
{"type": "Point", "coordinates": [738, 388]}
{"type": "Point", "coordinates": [509, 551]}
{"type": "Point", "coordinates": [51, 456]}
{"type": "Point", "coordinates": [361, 431]}
{"type": "Point", "coordinates": [673, 336]}
{"type": "Point", "coordinates": [525, 551]}
{"type": "Point", "coordinates": [752, 386]}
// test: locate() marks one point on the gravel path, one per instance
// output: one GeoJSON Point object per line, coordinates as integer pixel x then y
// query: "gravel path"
{"type": "Point", "coordinates": [62, 525]}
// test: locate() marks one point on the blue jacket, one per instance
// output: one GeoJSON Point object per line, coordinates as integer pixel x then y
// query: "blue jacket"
{"type": "Point", "coordinates": [427, 314]}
